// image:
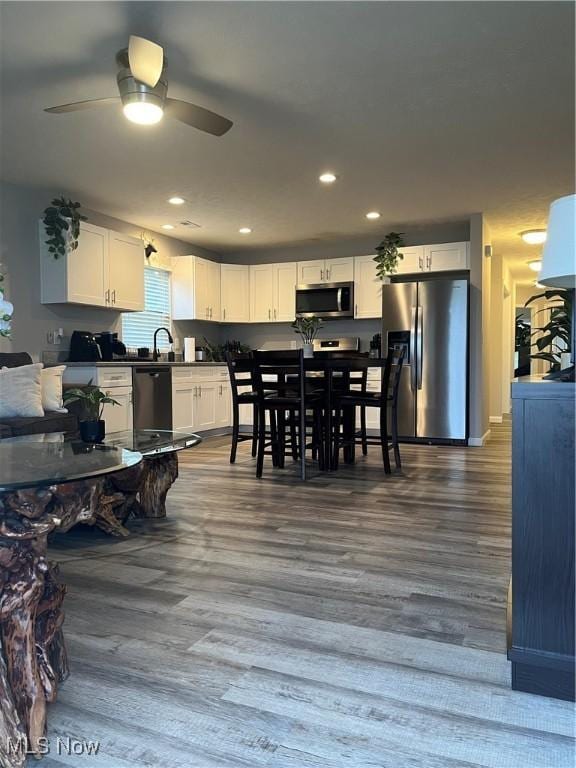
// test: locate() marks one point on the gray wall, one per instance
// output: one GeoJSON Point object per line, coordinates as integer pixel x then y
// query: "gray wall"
{"type": "Point", "coordinates": [421, 234]}
{"type": "Point", "coordinates": [479, 327]}
{"type": "Point", "coordinates": [20, 209]}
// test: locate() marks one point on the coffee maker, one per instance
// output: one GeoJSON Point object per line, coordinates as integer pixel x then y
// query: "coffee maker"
{"type": "Point", "coordinates": [110, 345]}
{"type": "Point", "coordinates": [87, 347]}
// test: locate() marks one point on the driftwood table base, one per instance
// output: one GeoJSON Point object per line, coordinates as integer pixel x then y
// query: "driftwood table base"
{"type": "Point", "coordinates": [32, 652]}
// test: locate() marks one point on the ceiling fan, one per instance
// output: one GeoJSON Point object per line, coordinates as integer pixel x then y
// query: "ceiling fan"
{"type": "Point", "coordinates": [143, 90]}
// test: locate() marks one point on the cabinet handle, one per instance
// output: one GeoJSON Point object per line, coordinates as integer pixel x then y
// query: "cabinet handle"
{"type": "Point", "coordinates": [221, 393]}
{"type": "Point", "coordinates": [328, 272]}
{"type": "Point", "coordinates": [114, 296]}
{"type": "Point", "coordinates": [356, 309]}
{"type": "Point", "coordinates": [224, 313]}
{"type": "Point", "coordinates": [200, 391]}
{"type": "Point", "coordinates": [269, 315]}
{"type": "Point", "coordinates": [321, 274]}
{"type": "Point", "coordinates": [420, 267]}
{"type": "Point", "coordinates": [429, 261]}
{"type": "Point", "coordinates": [107, 296]}
{"type": "Point", "coordinates": [274, 314]}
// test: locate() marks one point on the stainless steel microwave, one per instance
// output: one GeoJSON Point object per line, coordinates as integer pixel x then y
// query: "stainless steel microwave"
{"type": "Point", "coordinates": [328, 300]}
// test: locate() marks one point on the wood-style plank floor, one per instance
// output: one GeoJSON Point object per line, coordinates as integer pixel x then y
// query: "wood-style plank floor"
{"type": "Point", "coordinates": [356, 620]}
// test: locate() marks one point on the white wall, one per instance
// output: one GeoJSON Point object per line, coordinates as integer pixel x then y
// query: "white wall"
{"type": "Point", "coordinates": [479, 329]}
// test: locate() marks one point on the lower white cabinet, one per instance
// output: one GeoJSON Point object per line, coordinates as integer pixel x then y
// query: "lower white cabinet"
{"type": "Point", "coordinates": [115, 382]}
{"type": "Point", "coordinates": [201, 398]}
{"type": "Point", "coordinates": [118, 418]}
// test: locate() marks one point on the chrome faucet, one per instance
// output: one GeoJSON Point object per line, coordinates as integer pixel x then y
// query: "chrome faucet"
{"type": "Point", "coordinates": [155, 353]}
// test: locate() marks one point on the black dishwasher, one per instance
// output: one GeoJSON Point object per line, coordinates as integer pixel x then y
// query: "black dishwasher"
{"type": "Point", "coordinates": [152, 394]}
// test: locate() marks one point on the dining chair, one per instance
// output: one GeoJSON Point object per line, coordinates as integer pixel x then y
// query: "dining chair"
{"type": "Point", "coordinates": [294, 396]}
{"type": "Point", "coordinates": [241, 366]}
{"type": "Point", "coordinates": [386, 400]}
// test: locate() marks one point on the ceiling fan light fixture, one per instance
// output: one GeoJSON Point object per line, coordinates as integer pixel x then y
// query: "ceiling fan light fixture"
{"type": "Point", "coordinates": [143, 112]}
{"type": "Point", "coordinates": [534, 236]}
{"type": "Point", "coordinates": [535, 265]}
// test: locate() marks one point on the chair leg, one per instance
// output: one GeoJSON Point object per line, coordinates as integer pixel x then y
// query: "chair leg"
{"type": "Point", "coordinates": [349, 430]}
{"type": "Point", "coordinates": [274, 439]}
{"type": "Point", "coordinates": [255, 414]}
{"type": "Point", "coordinates": [395, 443]}
{"type": "Point", "coordinates": [235, 433]}
{"type": "Point", "coordinates": [261, 442]}
{"type": "Point", "coordinates": [294, 435]}
{"type": "Point", "coordinates": [281, 438]}
{"type": "Point", "coordinates": [384, 440]}
{"type": "Point", "coordinates": [337, 440]}
{"type": "Point", "coordinates": [319, 437]}
{"type": "Point", "coordinates": [363, 435]}
{"type": "Point", "coordinates": [302, 443]}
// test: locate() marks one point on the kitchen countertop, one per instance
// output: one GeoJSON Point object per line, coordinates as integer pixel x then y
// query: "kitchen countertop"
{"type": "Point", "coordinates": [129, 363]}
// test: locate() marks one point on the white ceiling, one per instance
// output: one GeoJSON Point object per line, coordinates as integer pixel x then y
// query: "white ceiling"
{"type": "Point", "coordinates": [427, 111]}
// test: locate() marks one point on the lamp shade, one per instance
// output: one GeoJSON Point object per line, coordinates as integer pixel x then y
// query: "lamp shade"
{"type": "Point", "coordinates": [559, 254]}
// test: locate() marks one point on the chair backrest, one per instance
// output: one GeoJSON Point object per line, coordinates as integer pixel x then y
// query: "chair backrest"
{"type": "Point", "coordinates": [282, 364]}
{"type": "Point", "coordinates": [14, 359]}
{"type": "Point", "coordinates": [391, 375]}
{"type": "Point", "coordinates": [241, 367]}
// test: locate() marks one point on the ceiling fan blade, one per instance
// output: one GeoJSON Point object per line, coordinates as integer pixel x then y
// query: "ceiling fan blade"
{"type": "Point", "coordinates": [197, 117]}
{"type": "Point", "coordinates": [76, 106]}
{"type": "Point", "coordinates": [146, 60]}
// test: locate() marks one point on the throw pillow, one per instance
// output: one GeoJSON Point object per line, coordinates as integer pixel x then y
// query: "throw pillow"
{"type": "Point", "coordinates": [21, 391]}
{"type": "Point", "coordinates": [52, 389]}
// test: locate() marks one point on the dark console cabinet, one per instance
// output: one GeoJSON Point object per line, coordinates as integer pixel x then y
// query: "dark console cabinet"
{"type": "Point", "coordinates": [543, 512]}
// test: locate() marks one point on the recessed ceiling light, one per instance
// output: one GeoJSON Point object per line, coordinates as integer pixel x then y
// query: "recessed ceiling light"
{"type": "Point", "coordinates": [534, 236]}
{"type": "Point", "coordinates": [373, 215]}
{"type": "Point", "coordinates": [176, 200]}
{"type": "Point", "coordinates": [244, 230]}
{"type": "Point", "coordinates": [167, 226]}
{"type": "Point", "coordinates": [535, 265]}
{"type": "Point", "coordinates": [327, 178]}
{"type": "Point", "coordinates": [143, 112]}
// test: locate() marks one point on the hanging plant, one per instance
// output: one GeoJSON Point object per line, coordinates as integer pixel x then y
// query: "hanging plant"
{"type": "Point", "coordinates": [62, 222]}
{"type": "Point", "coordinates": [388, 255]}
{"type": "Point", "coordinates": [6, 311]}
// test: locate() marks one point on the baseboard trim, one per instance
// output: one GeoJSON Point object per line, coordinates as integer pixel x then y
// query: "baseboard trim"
{"type": "Point", "coordinates": [478, 442]}
{"type": "Point", "coordinates": [495, 419]}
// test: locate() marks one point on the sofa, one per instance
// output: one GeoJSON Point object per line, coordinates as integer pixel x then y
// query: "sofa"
{"type": "Point", "coordinates": [50, 422]}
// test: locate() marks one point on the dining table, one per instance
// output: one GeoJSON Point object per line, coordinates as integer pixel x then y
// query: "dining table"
{"type": "Point", "coordinates": [331, 366]}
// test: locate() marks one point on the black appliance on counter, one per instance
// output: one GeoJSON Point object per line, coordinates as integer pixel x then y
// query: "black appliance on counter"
{"type": "Point", "coordinates": [87, 347]}
{"type": "Point", "coordinates": [84, 348]}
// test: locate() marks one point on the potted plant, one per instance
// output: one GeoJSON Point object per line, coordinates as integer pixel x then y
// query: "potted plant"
{"type": "Point", "coordinates": [307, 328]}
{"type": "Point", "coordinates": [93, 400]}
{"type": "Point", "coordinates": [62, 222]}
{"type": "Point", "coordinates": [388, 255]}
{"type": "Point", "coordinates": [556, 335]}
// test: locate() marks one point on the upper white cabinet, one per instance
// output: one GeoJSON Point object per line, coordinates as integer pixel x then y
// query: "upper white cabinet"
{"type": "Point", "coordinates": [125, 271]}
{"type": "Point", "coordinates": [273, 292]}
{"type": "Point", "coordinates": [367, 288]}
{"type": "Point", "coordinates": [106, 270]}
{"type": "Point", "coordinates": [235, 293]}
{"type": "Point", "coordinates": [195, 289]}
{"type": "Point", "coordinates": [435, 258]}
{"type": "Point", "coordinates": [325, 271]}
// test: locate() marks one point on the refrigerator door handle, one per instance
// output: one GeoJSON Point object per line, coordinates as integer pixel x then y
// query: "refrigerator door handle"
{"type": "Point", "coordinates": [419, 348]}
{"type": "Point", "coordinates": [413, 332]}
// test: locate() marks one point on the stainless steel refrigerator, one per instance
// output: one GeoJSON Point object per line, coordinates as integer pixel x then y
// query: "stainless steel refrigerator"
{"type": "Point", "coordinates": [429, 318]}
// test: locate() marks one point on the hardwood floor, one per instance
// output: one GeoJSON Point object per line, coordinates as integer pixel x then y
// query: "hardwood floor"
{"type": "Point", "coordinates": [356, 620]}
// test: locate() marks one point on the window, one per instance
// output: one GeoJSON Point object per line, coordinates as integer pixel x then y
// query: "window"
{"type": "Point", "coordinates": [138, 327]}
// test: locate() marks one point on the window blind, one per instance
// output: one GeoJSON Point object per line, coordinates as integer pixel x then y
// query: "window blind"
{"type": "Point", "coordinates": [138, 327]}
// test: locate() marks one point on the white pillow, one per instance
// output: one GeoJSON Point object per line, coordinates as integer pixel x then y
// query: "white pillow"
{"type": "Point", "coordinates": [52, 389]}
{"type": "Point", "coordinates": [21, 391]}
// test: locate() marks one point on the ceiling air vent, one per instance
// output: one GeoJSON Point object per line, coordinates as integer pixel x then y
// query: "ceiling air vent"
{"type": "Point", "coordinates": [188, 223]}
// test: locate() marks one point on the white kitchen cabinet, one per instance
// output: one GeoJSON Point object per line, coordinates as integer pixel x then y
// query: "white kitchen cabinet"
{"type": "Point", "coordinates": [367, 288]}
{"type": "Point", "coordinates": [106, 270]}
{"type": "Point", "coordinates": [195, 289]}
{"type": "Point", "coordinates": [447, 256]}
{"type": "Point", "coordinates": [235, 293]}
{"type": "Point", "coordinates": [325, 271]}
{"type": "Point", "coordinates": [125, 272]}
{"type": "Point", "coordinates": [118, 418]}
{"type": "Point", "coordinates": [273, 292]}
{"type": "Point", "coordinates": [435, 258]}
{"type": "Point", "coordinates": [412, 261]}
{"type": "Point", "coordinates": [201, 398]}
{"type": "Point", "coordinates": [115, 382]}
{"type": "Point", "coordinates": [284, 292]}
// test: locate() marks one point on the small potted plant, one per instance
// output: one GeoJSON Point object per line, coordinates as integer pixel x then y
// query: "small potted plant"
{"type": "Point", "coordinates": [388, 255]}
{"type": "Point", "coordinates": [62, 223]}
{"type": "Point", "coordinates": [307, 328]}
{"type": "Point", "coordinates": [93, 400]}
